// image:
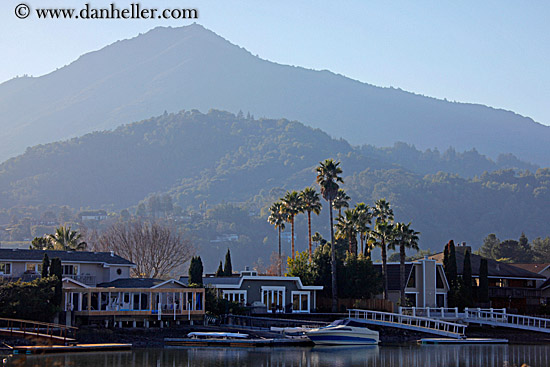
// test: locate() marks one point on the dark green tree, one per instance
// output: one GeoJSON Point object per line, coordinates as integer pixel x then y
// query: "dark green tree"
{"type": "Point", "coordinates": [311, 203]}
{"type": "Point", "coordinates": [227, 267]}
{"type": "Point", "coordinates": [56, 269]}
{"type": "Point", "coordinates": [483, 290]}
{"type": "Point", "coordinates": [541, 249]}
{"type": "Point", "coordinates": [219, 272]}
{"type": "Point", "coordinates": [490, 242]}
{"type": "Point", "coordinates": [45, 266]}
{"type": "Point", "coordinates": [195, 270]}
{"type": "Point", "coordinates": [41, 243]}
{"type": "Point", "coordinates": [467, 291]}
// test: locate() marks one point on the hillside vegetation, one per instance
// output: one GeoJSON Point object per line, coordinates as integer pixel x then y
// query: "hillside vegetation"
{"type": "Point", "coordinates": [201, 160]}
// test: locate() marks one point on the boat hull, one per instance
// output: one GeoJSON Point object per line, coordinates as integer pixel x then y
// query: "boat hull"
{"type": "Point", "coordinates": [331, 339]}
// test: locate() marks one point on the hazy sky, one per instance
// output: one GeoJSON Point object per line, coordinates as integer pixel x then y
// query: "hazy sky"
{"type": "Point", "coordinates": [495, 53]}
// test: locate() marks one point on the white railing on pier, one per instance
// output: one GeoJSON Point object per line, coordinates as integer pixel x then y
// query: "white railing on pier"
{"type": "Point", "coordinates": [417, 323]}
{"type": "Point", "coordinates": [499, 317]}
{"type": "Point", "coordinates": [483, 316]}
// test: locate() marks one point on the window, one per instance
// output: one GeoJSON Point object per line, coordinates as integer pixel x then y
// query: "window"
{"type": "Point", "coordinates": [5, 268]}
{"type": "Point", "coordinates": [34, 268]}
{"type": "Point", "coordinates": [412, 278]}
{"type": "Point", "coordinates": [273, 298]}
{"type": "Point", "coordinates": [235, 296]}
{"type": "Point", "coordinates": [300, 301]}
{"type": "Point", "coordinates": [70, 270]}
{"type": "Point", "coordinates": [411, 299]}
{"type": "Point", "coordinates": [439, 280]}
{"type": "Point", "coordinates": [440, 300]}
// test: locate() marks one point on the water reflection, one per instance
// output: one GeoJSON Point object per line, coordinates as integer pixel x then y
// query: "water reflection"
{"type": "Point", "coordinates": [405, 356]}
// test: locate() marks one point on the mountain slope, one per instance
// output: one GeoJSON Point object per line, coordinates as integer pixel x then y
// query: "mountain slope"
{"type": "Point", "coordinates": [190, 67]}
{"type": "Point", "coordinates": [219, 157]}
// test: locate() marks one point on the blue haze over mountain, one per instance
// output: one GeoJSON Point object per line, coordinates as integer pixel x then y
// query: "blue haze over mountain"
{"type": "Point", "coordinates": [170, 69]}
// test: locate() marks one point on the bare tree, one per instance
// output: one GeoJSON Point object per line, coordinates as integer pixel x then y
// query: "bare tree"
{"type": "Point", "coordinates": [154, 248]}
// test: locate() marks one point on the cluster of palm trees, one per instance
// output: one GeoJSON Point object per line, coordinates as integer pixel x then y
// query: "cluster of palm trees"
{"type": "Point", "coordinates": [351, 223]}
{"type": "Point", "coordinates": [63, 239]}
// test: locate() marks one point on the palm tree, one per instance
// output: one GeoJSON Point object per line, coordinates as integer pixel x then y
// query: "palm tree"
{"type": "Point", "coordinates": [311, 203]}
{"type": "Point", "coordinates": [64, 239]}
{"type": "Point", "coordinates": [277, 217]}
{"type": "Point", "coordinates": [292, 205]}
{"type": "Point", "coordinates": [341, 201]}
{"type": "Point", "coordinates": [346, 227]}
{"type": "Point", "coordinates": [405, 237]}
{"type": "Point", "coordinates": [383, 237]}
{"type": "Point", "coordinates": [363, 219]}
{"type": "Point", "coordinates": [383, 234]}
{"type": "Point", "coordinates": [328, 177]}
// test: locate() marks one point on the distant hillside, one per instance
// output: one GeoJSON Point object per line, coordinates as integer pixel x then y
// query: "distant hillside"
{"type": "Point", "coordinates": [190, 67]}
{"type": "Point", "coordinates": [219, 157]}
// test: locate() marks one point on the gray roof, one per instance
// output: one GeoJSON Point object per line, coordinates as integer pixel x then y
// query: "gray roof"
{"type": "Point", "coordinates": [64, 256]}
{"type": "Point", "coordinates": [215, 280]}
{"type": "Point", "coordinates": [496, 269]}
{"type": "Point", "coordinates": [132, 283]}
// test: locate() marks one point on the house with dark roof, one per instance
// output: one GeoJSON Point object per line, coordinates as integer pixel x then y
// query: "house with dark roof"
{"type": "Point", "coordinates": [97, 288]}
{"type": "Point", "coordinates": [85, 267]}
{"type": "Point", "coordinates": [265, 294]}
{"type": "Point", "coordinates": [426, 284]}
{"type": "Point", "coordinates": [509, 286]}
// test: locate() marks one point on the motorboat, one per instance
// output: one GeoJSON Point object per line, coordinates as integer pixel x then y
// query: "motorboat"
{"type": "Point", "coordinates": [344, 332]}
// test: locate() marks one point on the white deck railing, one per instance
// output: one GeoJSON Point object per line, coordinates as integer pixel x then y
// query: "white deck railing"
{"type": "Point", "coordinates": [486, 316]}
{"type": "Point", "coordinates": [423, 324]}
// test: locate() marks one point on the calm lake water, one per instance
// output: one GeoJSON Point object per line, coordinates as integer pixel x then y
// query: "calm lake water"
{"type": "Point", "coordinates": [386, 356]}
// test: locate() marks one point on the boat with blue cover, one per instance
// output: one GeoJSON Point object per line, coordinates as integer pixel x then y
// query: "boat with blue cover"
{"type": "Point", "coordinates": [344, 332]}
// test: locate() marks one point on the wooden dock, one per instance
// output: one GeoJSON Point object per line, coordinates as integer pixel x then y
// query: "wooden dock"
{"type": "Point", "coordinates": [462, 341]}
{"type": "Point", "coordinates": [40, 349]}
{"type": "Point", "coordinates": [237, 343]}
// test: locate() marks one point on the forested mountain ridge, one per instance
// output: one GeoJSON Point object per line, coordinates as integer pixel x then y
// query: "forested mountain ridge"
{"type": "Point", "coordinates": [219, 157]}
{"type": "Point", "coordinates": [169, 69]}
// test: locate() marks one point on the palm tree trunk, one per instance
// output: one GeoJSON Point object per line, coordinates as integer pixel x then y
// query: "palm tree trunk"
{"type": "Point", "coordinates": [349, 243]}
{"type": "Point", "coordinates": [333, 262]}
{"type": "Point", "coordinates": [361, 238]}
{"type": "Point", "coordinates": [309, 233]}
{"type": "Point", "coordinates": [292, 226]}
{"type": "Point", "coordinates": [402, 271]}
{"type": "Point", "coordinates": [384, 269]}
{"type": "Point", "coordinates": [279, 262]}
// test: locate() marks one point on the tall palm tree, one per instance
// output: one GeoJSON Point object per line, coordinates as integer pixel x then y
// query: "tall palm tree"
{"type": "Point", "coordinates": [292, 205]}
{"type": "Point", "coordinates": [362, 221]}
{"type": "Point", "coordinates": [382, 236]}
{"type": "Point", "coordinates": [405, 237]}
{"type": "Point", "coordinates": [341, 201]}
{"type": "Point", "coordinates": [328, 177]}
{"type": "Point", "coordinates": [64, 239]}
{"type": "Point", "coordinates": [277, 217]}
{"type": "Point", "coordinates": [346, 227]}
{"type": "Point", "coordinates": [311, 203]}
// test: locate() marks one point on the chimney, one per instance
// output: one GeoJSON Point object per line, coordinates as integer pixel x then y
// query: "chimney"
{"type": "Point", "coordinates": [112, 253]}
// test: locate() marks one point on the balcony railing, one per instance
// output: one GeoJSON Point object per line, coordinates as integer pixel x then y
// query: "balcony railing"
{"type": "Point", "coordinates": [497, 292]}
{"type": "Point", "coordinates": [83, 278]}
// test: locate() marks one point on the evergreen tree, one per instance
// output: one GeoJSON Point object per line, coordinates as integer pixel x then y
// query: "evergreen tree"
{"type": "Point", "coordinates": [195, 270]}
{"type": "Point", "coordinates": [446, 261]}
{"type": "Point", "coordinates": [467, 291]}
{"type": "Point", "coordinates": [56, 270]}
{"type": "Point", "coordinates": [228, 268]}
{"type": "Point", "coordinates": [45, 266]}
{"type": "Point", "coordinates": [219, 272]}
{"type": "Point", "coordinates": [452, 270]}
{"type": "Point", "coordinates": [483, 290]}
{"type": "Point", "coordinates": [490, 242]}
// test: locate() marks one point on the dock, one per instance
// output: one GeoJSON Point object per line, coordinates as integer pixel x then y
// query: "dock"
{"type": "Point", "coordinates": [41, 349]}
{"type": "Point", "coordinates": [238, 343]}
{"type": "Point", "coordinates": [462, 341]}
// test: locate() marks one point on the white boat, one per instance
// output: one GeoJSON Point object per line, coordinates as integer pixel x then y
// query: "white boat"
{"type": "Point", "coordinates": [217, 335]}
{"type": "Point", "coordinates": [344, 332]}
